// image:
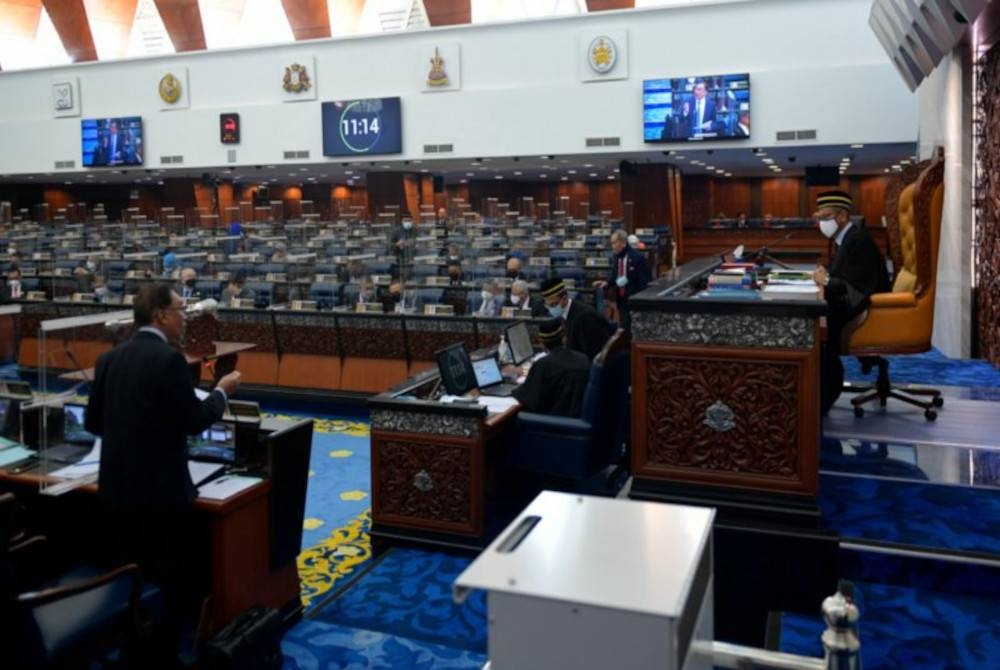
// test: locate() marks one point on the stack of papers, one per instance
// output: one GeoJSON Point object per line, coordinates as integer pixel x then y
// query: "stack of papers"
{"type": "Point", "coordinates": [495, 404]}
{"type": "Point", "coordinates": [791, 292]}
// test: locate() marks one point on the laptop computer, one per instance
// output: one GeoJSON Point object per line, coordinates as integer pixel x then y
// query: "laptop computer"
{"type": "Point", "coordinates": [490, 380]}
{"type": "Point", "coordinates": [75, 442]}
{"type": "Point", "coordinates": [215, 445]}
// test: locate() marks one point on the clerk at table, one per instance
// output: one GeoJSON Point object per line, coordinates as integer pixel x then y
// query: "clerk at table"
{"type": "Point", "coordinates": [556, 382]}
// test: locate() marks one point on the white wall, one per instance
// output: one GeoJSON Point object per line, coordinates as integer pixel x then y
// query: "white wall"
{"type": "Point", "coordinates": [945, 99]}
{"type": "Point", "coordinates": [813, 64]}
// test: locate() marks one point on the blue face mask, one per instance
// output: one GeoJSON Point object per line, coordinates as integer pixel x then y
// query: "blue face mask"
{"type": "Point", "coordinates": [555, 311]}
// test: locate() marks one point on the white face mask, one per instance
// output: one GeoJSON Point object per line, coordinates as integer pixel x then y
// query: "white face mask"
{"type": "Point", "coordinates": [407, 225]}
{"type": "Point", "coordinates": [828, 227]}
{"type": "Point", "coordinates": [487, 296]}
{"type": "Point", "coordinates": [515, 299]}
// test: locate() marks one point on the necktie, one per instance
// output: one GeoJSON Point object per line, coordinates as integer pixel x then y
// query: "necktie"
{"type": "Point", "coordinates": [621, 273]}
{"type": "Point", "coordinates": [15, 291]}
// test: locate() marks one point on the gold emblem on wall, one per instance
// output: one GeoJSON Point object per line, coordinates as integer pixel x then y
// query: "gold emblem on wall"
{"type": "Point", "coordinates": [602, 54]}
{"type": "Point", "coordinates": [437, 76]}
{"type": "Point", "coordinates": [170, 88]}
{"type": "Point", "coordinates": [296, 79]}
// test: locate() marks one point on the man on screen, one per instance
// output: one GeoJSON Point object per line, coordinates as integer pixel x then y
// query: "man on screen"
{"type": "Point", "coordinates": [114, 143]}
{"type": "Point", "coordinates": [703, 113]}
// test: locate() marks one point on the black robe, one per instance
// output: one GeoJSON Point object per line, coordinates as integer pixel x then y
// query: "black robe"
{"type": "Point", "coordinates": [586, 330]}
{"type": "Point", "coordinates": [555, 383]}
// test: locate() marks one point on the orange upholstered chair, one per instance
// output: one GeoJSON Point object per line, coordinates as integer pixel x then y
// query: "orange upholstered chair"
{"type": "Point", "coordinates": [901, 322]}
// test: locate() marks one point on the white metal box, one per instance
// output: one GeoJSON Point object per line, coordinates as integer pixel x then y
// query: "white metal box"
{"type": "Point", "coordinates": [596, 583]}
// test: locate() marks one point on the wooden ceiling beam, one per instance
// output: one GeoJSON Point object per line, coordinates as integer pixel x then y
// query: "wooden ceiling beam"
{"type": "Point", "coordinates": [69, 17]}
{"type": "Point", "coordinates": [309, 19]}
{"type": "Point", "coordinates": [182, 19]}
{"type": "Point", "coordinates": [448, 12]}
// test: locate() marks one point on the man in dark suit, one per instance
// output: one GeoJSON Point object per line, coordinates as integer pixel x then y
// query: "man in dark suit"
{"type": "Point", "coordinates": [13, 289]}
{"type": "Point", "coordinates": [702, 110]}
{"type": "Point", "coordinates": [187, 286]}
{"type": "Point", "coordinates": [556, 383]}
{"type": "Point", "coordinates": [858, 270]}
{"type": "Point", "coordinates": [144, 407]}
{"type": "Point", "coordinates": [520, 298]}
{"type": "Point", "coordinates": [586, 330]}
{"type": "Point", "coordinates": [629, 274]}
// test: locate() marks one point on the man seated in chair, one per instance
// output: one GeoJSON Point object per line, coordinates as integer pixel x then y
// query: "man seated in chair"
{"type": "Point", "coordinates": [556, 382]}
{"type": "Point", "coordinates": [857, 271]}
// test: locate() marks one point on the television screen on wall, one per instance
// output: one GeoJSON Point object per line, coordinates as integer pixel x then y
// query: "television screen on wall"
{"type": "Point", "coordinates": [694, 109]}
{"type": "Point", "coordinates": [112, 141]}
{"type": "Point", "coordinates": [360, 127]}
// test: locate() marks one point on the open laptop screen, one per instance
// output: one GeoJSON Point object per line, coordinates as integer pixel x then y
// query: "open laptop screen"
{"type": "Point", "coordinates": [487, 372]}
{"type": "Point", "coordinates": [73, 430]}
{"type": "Point", "coordinates": [456, 369]}
{"type": "Point", "coordinates": [520, 342]}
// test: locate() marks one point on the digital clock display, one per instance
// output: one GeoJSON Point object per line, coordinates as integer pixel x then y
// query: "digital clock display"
{"type": "Point", "coordinates": [359, 127]}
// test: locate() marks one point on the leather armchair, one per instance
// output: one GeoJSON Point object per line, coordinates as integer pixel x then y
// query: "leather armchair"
{"type": "Point", "coordinates": [578, 448]}
{"type": "Point", "coordinates": [901, 322]}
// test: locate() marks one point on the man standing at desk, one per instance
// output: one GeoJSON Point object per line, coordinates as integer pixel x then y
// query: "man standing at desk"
{"type": "Point", "coordinates": [556, 383]}
{"type": "Point", "coordinates": [857, 271]}
{"type": "Point", "coordinates": [586, 330]}
{"type": "Point", "coordinates": [143, 406]}
{"type": "Point", "coordinates": [629, 274]}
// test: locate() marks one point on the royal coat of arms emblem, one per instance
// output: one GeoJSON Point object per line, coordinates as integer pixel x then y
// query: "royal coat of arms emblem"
{"type": "Point", "coordinates": [296, 79]}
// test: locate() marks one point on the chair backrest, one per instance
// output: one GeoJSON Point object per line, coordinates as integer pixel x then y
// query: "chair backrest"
{"type": "Point", "coordinates": [914, 206]}
{"type": "Point", "coordinates": [288, 453]}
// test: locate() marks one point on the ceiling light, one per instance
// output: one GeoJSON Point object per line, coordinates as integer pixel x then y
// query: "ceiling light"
{"type": "Point", "coordinates": [348, 171]}
{"type": "Point", "coordinates": [464, 181]}
{"type": "Point", "coordinates": [905, 161]}
{"type": "Point", "coordinates": [563, 160]}
{"type": "Point", "coordinates": [546, 158]}
{"type": "Point", "coordinates": [67, 182]}
{"type": "Point", "coordinates": [768, 161]}
{"type": "Point", "coordinates": [474, 163]}
{"type": "Point", "coordinates": [857, 146]}
{"type": "Point", "coordinates": [517, 173]}
{"type": "Point", "coordinates": [545, 176]}
{"type": "Point", "coordinates": [270, 167]}
{"type": "Point", "coordinates": [570, 171]}
{"type": "Point", "coordinates": [721, 171]}
{"type": "Point", "coordinates": [897, 167]}
{"type": "Point", "coordinates": [617, 170]}
{"type": "Point", "coordinates": [588, 165]}
{"type": "Point", "coordinates": [611, 177]}
{"type": "Point", "coordinates": [470, 174]}
{"type": "Point", "coordinates": [593, 174]}
{"type": "Point", "coordinates": [499, 176]}
{"type": "Point", "coordinates": [425, 170]}
{"type": "Point", "coordinates": [729, 174]}
{"type": "Point", "coordinates": [565, 178]}
{"type": "Point", "coordinates": [303, 169]}
{"type": "Point", "coordinates": [487, 160]}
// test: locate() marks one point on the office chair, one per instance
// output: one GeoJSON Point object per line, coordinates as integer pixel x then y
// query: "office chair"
{"type": "Point", "coordinates": [576, 449]}
{"type": "Point", "coordinates": [209, 288]}
{"type": "Point", "coordinates": [901, 322]}
{"type": "Point", "coordinates": [263, 293]}
{"type": "Point", "coordinates": [326, 294]}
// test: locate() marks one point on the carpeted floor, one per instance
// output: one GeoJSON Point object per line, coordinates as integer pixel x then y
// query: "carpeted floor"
{"type": "Point", "coordinates": [905, 628]}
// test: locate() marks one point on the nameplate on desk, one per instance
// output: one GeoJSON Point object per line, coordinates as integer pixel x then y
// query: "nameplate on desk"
{"type": "Point", "coordinates": [540, 261]}
{"type": "Point", "coordinates": [275, 276]}
{"type": "Point", "coordinates": [135, 274]}
{"type": "Point", "coordinates": [439, 310]}
{"type": "Point", "coordinates": [572, 244]}
{"type": "Point", "coordinates": [38, 256]}
{"type": "Point", "coordinates": [300, 305]}
{"type": "Point", "coordinates": [597, 262]}
{"type": "Point", "coordinates": [604, 232]}
{"type": "Point", "coordinates": [60, 272]}
{"type": "Point", "coordinates": [368, 308]}
{"type": "Point", "coordinates": [326, 278]}
{"type": "Point", "coordinates": [438, 281]}
{"type": "Point", "coordinates": [644, 231]}
{"type": "Point", "coordinates": [216, 258]}
{"type": "Point", "coordinates": [128, 299]}
{"type": "Point", "coordinates": [570, 283]}
{"type": "Point", "coordinates": [427, 259]}
{"type": "Point", "coordinates": [222, 276]}
{"type": "Point", "coordinates": [244, 258]}
{"type": "Point", "coordinates": [361, 257]}
{"type": "Point", "coordinates": [301, 258]}
{"type": "Point", "coordinates": [382, 280]}
{"type": "Point", "coordinates": [83, 297]}
{"type": "Point", "coordinates": [490, 260]}
{"type": "Point", "coordinates": [35, 295]}
{"type": "Point", "coordinates": [242, 303]}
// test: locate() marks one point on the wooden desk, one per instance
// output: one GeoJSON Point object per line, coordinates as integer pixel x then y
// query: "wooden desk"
{"type": "Point", "coordinates": [238, 542]}
{"type": "Point", "coordinates": [725, 405]}
{"type": "Point", "coordinates": [434, 467]}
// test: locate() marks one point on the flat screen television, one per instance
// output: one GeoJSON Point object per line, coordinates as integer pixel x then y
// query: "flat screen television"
{"type": "Point", "coordinates": [694, 109]}
{"type": "Point", "coordinates": [361, 127]}
{"type": "Point", "coordinates": [112, 141]}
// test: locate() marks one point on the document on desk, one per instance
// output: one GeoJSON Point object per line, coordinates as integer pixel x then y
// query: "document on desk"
{"type": "Point", "coordinates": [201, 471]}
{"type": "Point", "coordinates": [227, 486]}
{"type": "Point", "coordinates": [497, 405]}
{"type": "Point", "coordinates": [87, 466]}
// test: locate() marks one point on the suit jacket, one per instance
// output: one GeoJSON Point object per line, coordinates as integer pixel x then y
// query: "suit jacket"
{"type": "Point", "coordinates": [857, 271]}
{"type": "Point", "coordinates": [708, 116]}
{"type": "Point", "coordinates": [179, 290]}
{"type": "Point", "coordinates": [143, 406]}
{"type": "Point", "coordinates": [636, 269]}
{"type": "Point", "coordinates": [556, 383]}
{"type": "Point", "coordinates": [586, 330]}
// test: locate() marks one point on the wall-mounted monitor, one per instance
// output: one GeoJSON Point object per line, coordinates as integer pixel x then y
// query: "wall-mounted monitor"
{"type": "Point", "coordinates": [360, 127]}
{"type": "Point", "coordinates": [686, 109]}
{"type": "Point", "coordinates": [112, 141]}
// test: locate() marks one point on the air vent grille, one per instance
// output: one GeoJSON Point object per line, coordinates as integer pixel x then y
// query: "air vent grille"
{"type": "Point", "coordinates": [595, 142]}
{"type": "Point", "coordinates": [805, 134]}
{"type": "Point", "coordinates": [231, 155]}
{"type": "Point", "coordinates": [430, 148]}
{"type": "Point", "coordinates": [612, 141]}
{"type": "Point", "coordinates": [784, 135]}
{"type": "Point", "coordinates": [295, 154]}
{"type": "Point", "coordinates": [438, 148]}
{"type": "Point", "coordinates": [65, 164]}
{"type": "Point", "coordinates": [168, 160]}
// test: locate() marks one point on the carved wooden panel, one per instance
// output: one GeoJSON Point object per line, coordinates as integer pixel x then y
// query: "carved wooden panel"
{"type": "Point", "coordinates": [423, 343]}
{"type": "Point", "coordinates": [726, 416]}
{"type": "Point", "coordinates": [427, 482]}
{"type": "Point", "coordinates": [315, 340]}
{"type": "Point", "coordinates": [987, 202]}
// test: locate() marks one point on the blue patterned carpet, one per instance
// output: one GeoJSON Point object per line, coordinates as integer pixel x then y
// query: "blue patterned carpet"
{"type": "Point", "coordinates": [903, 628]}
{"type": "Point", "coordinates": [399, 614]}
{"type": "Point", "coordinates": [933, 368]}
{"type": "Point", "coordinates": [925, 515]}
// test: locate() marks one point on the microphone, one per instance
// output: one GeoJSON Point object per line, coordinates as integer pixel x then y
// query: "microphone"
{"type": "Point", "coordinates": [761, 253]}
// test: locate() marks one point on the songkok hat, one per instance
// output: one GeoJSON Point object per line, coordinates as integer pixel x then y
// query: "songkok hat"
{"type": "Point", "coordinates": [553, 286]}
{"type": "Point", "coordinates": [835, 199]}
{"type": "Point", "coordinates": [551, 332]}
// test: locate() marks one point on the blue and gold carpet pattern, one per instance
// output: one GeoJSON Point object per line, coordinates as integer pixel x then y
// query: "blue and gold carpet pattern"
{"type": "Point", "coordinates": [907, 628]}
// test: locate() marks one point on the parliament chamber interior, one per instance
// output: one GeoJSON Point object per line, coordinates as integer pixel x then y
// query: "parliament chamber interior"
{"type": "Point", "coordinates": [589, 333]}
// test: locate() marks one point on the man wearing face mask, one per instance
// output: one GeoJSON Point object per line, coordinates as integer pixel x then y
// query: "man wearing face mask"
{"type": "Point", "coordinates": [521, 298]}
{"type": "Point", "coordinates": [629, 274]}
{"type": "Point", "coordinates": [492, 299]}
{"type": "Point", "coordinates": [13, 290]}
{"type": "Point", "coordinates": [857, 271]}
{"type": "Point", "coordinates": [586, 330]}
{"type": "Point", "coordinates": [556, 383]}
{"type": "Point", "coordinates": [454, 274]}
{"type": "Point", "coordinates": [186, 287]}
